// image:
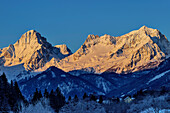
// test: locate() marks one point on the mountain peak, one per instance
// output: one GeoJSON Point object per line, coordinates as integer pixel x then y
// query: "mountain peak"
{"type": "Point", "coordinates": [64, 49]}
{"type": "Point", "coordinates": [31, 37]}
{"type": "Point", "coordinates": [144, 27]}
{"type": "Point", "coordinates": [91, 37]}
{"type": "Point", "coordinates": [148, 30]}
{"type": "Point", "coordinates": [31, 33]}
{"type": "Point", "coordinates": [138, 50]}
{"type": "Point", "coordinates": [32, 50]}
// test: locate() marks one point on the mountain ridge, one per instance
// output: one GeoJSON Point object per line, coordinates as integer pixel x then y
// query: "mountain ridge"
{"type": "Point", "coordinates": [137, 50]}
{"type": "Point", "coordinates": [97, 53]}
{"type": "Point", "coordinates": [108, 84]}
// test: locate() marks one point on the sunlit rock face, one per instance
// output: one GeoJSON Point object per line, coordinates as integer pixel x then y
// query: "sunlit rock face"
{"type": "Point", "coordinates": [32, 50]}
{"type": "Point", "coordinates": [64, 49]}
{"type": "Point", "coordinates": [138, 50]}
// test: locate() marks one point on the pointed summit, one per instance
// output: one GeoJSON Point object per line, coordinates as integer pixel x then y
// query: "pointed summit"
{"type": "Point", "coordinates": [144, 27]}
{"type": "Point", "coordinates": [31, 33]}
{"type": "Point", "coordinates": [31, 37]}
{"type": "Point", "coordinates": [32, 50]}
{"type": "Point", "coordinates": [147, 29]}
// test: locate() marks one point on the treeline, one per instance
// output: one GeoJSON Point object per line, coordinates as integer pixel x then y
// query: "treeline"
{"type": "Point", "coordinates": [11, 99]}
{"type": "Point", "coordinates": [91, 97]}
{"type": "Point", "coordinates": [10, 96]}
{"type": "Point", "coordinates": [56, 98]}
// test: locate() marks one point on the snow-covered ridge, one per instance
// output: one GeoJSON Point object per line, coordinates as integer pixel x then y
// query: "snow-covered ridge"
{"type": "Point", "coordinates": [138, 50]}
{"type": "Point", "coordinates": [32, 50]}
{"type": "Point", "coordinates": [135, 51]}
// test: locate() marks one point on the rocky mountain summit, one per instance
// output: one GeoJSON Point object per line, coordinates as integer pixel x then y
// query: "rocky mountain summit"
{"type": "Point", "coordinates": [32, 50]}
{"type": "Point", "coordinates": [64, 49]}
{"type": "Point", "coordinates": [138, 50]}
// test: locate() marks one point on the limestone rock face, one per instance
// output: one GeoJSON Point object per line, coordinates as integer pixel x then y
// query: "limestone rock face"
{"type": "Point", "coordinates": [32, 50]}
{"type": "Point", "coordinates": [138, 50]}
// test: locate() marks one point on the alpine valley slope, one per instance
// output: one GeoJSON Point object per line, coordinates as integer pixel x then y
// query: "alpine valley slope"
{"type": "Point", "coordinates": [30, 52]}
{"type": "Point", "coordinates": [144, 52]}
{"type": "Point", "coordinates": [138, 50]}
{"type": "Point", "coordinates": [108, 84]}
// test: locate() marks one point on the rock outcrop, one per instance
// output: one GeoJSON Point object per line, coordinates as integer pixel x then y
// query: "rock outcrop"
{"type": "Point", "coordinates": [64, 49]}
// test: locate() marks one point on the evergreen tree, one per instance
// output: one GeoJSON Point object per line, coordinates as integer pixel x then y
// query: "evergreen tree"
{"type": "Point", "coordinates": [52, 92]}
{"type": "Point", "coordinates": [39, 95]}
{"type": "Point", "coordinates": [4, 79]}
{"type": "Point", "coordinates": [12, 84]}
{"type": "Point", "coordinates": [57, 100]}
{"type": "Point", "coordinates": [76, 98]}
{"type": "Point", "coordinates": [84, 96]}
{"type": "Point", "coordinates": [100, 99]}
{"type": "Point", "coordinates": [69, 98]}
{"type": "Point", "coordinates": [35, 96]}
{"type": "Point", "coordinates": [117, 100]}
{"type": "Point", "coordinates": [93, 98]}
{"type": "Point", "coordinates": [4, 93]}
{"type": "Point", "coordinates": [17, 90]}
{"type": "Point", "coordinates": [10, 95]}
{"type": "Point", "coordinates": [46, 95]}
{"type": "Point", "coordinates": [58, 91]}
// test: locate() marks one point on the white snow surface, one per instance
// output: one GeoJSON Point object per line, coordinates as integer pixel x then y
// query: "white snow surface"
{"type": "Point", "coordinates": [41, 107]}
{"type": "Point", "coordinates": [43, 76]}
{"type": "Point", "coordinates": [11, 71]}
{"type": "Point", "coordinates": [63, 75]}
{"type": "Point", "coordinates": [152, 110]}
{"type": "Point", "coordinates": [83, 107]}
{"type": "Point", "coordinates": [158, 76]}
{"type": "Point", "coordinates": [53, 74]}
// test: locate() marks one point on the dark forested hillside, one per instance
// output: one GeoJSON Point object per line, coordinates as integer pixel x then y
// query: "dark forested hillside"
{"type": "Point", "coordinates": [10, 95]}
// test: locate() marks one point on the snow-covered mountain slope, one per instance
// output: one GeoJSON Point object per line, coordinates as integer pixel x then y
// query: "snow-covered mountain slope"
{"type": "Point", "coordinates": [32, 51]}
{"type": "Point", "coordinates": [138, 50]}
{"type": "Point", "coordinates": [109, 84]}
{"type": "Point", "coordinates": [53, 78]}
{"type": "Point", "coordinates": [12, 71]}
{"type": "Point", "coordinates": [146, 80]}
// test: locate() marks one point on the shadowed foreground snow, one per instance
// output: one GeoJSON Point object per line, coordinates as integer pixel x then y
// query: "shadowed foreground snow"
{"type": "Point", "coordinates": [83, 107]}
{"type": "Point", "coordinates": [41, 106]}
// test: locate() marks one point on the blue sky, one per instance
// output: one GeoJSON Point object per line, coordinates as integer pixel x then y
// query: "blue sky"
{"type": "Point", "coordinates": [71, 21]}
